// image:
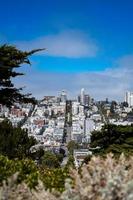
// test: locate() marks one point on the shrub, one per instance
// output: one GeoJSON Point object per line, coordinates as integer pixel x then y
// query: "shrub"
{"type": "Point", "coordinates": [50, 160]}
{"type": "Point", "coordinates": [27, 170]}
{"type": "Point", "coordinates": [54, 178]}
{"type": "Point", "coordinates": [101, 179]}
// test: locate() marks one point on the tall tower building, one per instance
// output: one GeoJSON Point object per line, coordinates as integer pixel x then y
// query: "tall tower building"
{"type": "Point", "coordinates": [129, 98]}
{"type": "Point", "coordinates": [86, 99]}
{"type": "Point", "coordinates": [82, 96]}
{"type": "Point", "coordinates": [63, 96]}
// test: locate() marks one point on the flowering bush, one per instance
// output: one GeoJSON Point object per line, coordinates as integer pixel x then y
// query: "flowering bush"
{"type": "Point", "coordinates": [100, 179]}
{"type": "Point", "coordinates": [103, 179]}
{"type": "Point", "coordinates": [27, 171]}
{"type": "Point", "coordinates": [54, 178]}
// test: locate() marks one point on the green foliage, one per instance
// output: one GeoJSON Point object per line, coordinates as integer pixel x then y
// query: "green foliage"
{"type": "Point", "coordinates": [10, 59]}
{"type": "Point", "coordinates": [50, 160]}
{"type": "Point", "coordinates": [14, 142]}
{"type": "Point", "coordinates": [59, 156]}
{"type": "Point", "coordinates": [54, 178]}
{"type": "Point", "coordinates": [101, 179]}
{"type": "Point", "coordinates": [29, 173]}
{"type": "Point", "coordinates": [112, 138]}
{"type": "Point", "coordinates": [71, 146]}
{"type": "Point", "coordinates": [27, 170]}
{"type": "Point", "coordinates": [37, 155]}
{"type": "Point", "coordinates": [70, 162]}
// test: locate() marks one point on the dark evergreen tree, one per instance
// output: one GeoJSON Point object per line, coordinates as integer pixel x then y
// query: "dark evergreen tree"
{"type": "Point", "coordinates": [113, 138]}
{"type": "Point", "coordinates": [14, 142]}
{"type": "Point", "coordinates": [11, 59]}
{"type": "Point", "coordinates": [50, 160]}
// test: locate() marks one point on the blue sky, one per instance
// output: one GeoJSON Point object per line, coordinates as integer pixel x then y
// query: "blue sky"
{"type": "Point", "coordinates": [86, 39]}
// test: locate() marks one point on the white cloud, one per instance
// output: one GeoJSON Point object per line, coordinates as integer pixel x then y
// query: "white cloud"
{"type": "Point", "coordinates": [125, 62]}
{"type": "Point", "coordinates": [111, 83]}
{"type": "Point", "coordinates": [69, 43]}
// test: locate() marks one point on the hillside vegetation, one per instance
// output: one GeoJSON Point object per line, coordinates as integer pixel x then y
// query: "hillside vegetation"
{"type": "Point", "coordinates": [115, 139]}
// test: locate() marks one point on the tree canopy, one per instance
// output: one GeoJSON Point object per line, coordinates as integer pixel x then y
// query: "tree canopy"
{"type": "Point", "coordinates": [14, 142]}
{"type": "Point", "coordinates": [113, 138]}
{"type": "Point", "coordinates": [50, 160]}
{"type": "Point", "coordinates": [71, 146]}
{"type": "Point", "coordinates": [11, 59]}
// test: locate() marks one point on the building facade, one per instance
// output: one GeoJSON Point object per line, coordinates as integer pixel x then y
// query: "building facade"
{"type": "Point", "coordinates": [129, 98]}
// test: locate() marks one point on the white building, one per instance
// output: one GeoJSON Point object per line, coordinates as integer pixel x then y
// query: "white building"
{"type": "Point", "coordinates": [89, 127]}
{"type": "Point", "coordinates": [63, 96]}
{"type": "Point", "coordinates": [79, 156]}
{"type": "Point", "coordinates": [81, 109]}
{"type": "Point", "coordinates": [75, 108]}
{"type": "Point", "coordinates": [82, 96]}
{"type": "Point", "coordinates": [129, 98]}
